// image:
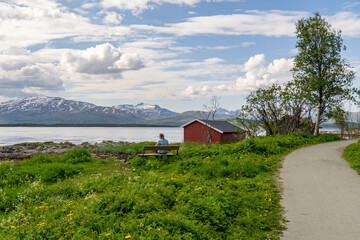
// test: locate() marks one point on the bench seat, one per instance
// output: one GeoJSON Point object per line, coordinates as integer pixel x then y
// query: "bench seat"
{"type": "Point", "coordinates": [156, 148]}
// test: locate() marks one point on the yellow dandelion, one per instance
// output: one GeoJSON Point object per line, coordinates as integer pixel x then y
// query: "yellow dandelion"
{"type": "Point", "coordinates": [158, 229]}
{"type": "Point", "coordinates": [108, 234]}
{"type": "Point", "coordinates": [128, 236]}
{"type": "Point", "coordinates": [149, 228]}
{"type": "Point", "coordinates": [12, 226]}
{"type": "Point", "coordinates": [269, 200]}
{"type": "Point", "coordinates": [70, 214]}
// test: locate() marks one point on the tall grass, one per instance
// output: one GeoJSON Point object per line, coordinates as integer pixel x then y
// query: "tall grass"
{"type": "Point", "coordinates": [225, 192]}
{"type": "Point", "coordinates": [352, 155]}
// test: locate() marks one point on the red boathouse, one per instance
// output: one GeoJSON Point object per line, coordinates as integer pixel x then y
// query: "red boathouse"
{"type": "Point", "coordinates": [221, 131]}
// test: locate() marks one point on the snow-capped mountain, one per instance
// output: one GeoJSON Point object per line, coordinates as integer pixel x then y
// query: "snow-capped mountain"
{"type": "Point", "coordinates": [44, 104]}
{"type": "Point", "coordinates": [228, 113]}
{"type": "Point", "coordinates": [59, 110]}
{"type": "Point", "coordinates": [146, 110]}
{"type": "Point", "coordinates": [52, 110]}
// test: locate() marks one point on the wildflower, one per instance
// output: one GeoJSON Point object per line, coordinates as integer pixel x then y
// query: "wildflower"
{"type": "Point", "coordinates": [70, 214]}
{"type": "Point", "coordinates": [128, 236]}
{"type": "Point", "coordinates": [149, 228]}
{"type": "Point", "coordinates": [269, 200]}
{"type": "Point", "coordinates": [108, 234]}
{"type": "Point", "coordinates": [12, 226]}
{"type": "Point", "coordinates": [158, 229]}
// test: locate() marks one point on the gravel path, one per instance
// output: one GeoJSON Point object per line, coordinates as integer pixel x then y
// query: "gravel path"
{"type": "Point", "coordinates": [321, 194]}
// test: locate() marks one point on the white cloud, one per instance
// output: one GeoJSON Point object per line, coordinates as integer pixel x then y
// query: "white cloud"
{"type": "Point", "coordinates": [349, 6]}
{"type": "Point", "coordinates": [247, 44]}
{"type": "Point", "coordinates": [102, 59]}
{"type": "Point", "coordinates": [268, 23]}
{"type": "Point", "coordinates": [26, 23]}
{"type": "Point", "coordinates": [89, 5]}
{"type": "Point", "coordinates": [348, 22]}
{"type": "Point", "coordinates": [112, 18]}
{"type": "Point", "coordinates": [138, 6]}
{"type": "Point", "coordinates": [258, 74]}
{"type": "Point", "coordinates": [191, 91]}
{"type": "Point", "coordinates": [30, 79]}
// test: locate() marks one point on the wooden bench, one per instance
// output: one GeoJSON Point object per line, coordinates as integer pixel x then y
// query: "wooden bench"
{"type": "Point", "coordinates": [156, 148]}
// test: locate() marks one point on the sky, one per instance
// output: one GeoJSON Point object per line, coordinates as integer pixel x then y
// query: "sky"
{"type": "Point", "coordinates": [174, 53]}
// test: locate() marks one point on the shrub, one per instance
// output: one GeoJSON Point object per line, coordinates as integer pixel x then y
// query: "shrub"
{"type": "Point", "coordinates": [38, 159]}
{"type": "Point", "coordinates": [77, 155]}
{"type": "Point", "coordinates": [55, 172]}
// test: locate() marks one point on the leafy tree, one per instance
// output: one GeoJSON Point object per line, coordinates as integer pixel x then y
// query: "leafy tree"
{"type": "Point", "coordinates": [276, 109]}
{"type": "Point", "coordinates": [264, 108]}
{"type": "Point", "coordinates": [319, 68]}
{"type": "Point", "coordinates": [340, 116]}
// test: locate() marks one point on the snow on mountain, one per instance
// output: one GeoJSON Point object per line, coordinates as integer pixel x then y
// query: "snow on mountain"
{"type": "Point", "coordinates": [223, 111]}
{"type": "Point", "coordinates": [43, 104]}
{"type": "Point", "coordinates": [146, 110]}
{"type": "Point", "coordinates": [57, 104]}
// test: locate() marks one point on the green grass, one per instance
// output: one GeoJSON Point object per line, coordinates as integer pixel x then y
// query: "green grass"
{"type": "Point", "coordinates": [352, 155]}
{"type": "Point", "coordinates": [130, 149]}
{"type": "Point", "coordinates": [228, 191]}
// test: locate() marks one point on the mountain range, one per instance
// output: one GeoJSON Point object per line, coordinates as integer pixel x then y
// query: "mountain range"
{"type": "Point", "coordinates": [56, 110]}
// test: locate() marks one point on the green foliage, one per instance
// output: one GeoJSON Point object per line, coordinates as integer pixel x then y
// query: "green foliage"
{"type": "Point", "coordinates": [131, 149]}
{"type": "Point", "coordinates": [276, 109]}
{"type": "Point", "coordinates": [319, 68]}
{"type": "Point", "coordinates": [77, 155]}
{"type": "Point", "coordinates": [57, 171]}
{"type": "Point", "coordinates": [352, 155]}
{"type": "Point", "coordinates": [340, 116]}
{"type": "Point", "coordinates": [226, 191]}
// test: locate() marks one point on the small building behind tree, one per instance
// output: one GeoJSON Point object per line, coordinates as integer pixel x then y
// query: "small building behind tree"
{"type": "Point", "coordinates": [217, 131]}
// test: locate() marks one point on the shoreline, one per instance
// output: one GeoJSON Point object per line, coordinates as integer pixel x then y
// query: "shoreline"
{"type": "Point", "coordinates": [85, 125]}
{"type": "Point", "coordinates": [25, 150]}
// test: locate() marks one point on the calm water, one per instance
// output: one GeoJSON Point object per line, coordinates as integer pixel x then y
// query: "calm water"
{"type": "Point", "coordinates": [13, 135]}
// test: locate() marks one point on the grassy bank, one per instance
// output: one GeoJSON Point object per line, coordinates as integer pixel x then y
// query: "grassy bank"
{"type": "Point", "coordinates": [352, 155]}
{"type": "Point", "coordinates": [226, 192]}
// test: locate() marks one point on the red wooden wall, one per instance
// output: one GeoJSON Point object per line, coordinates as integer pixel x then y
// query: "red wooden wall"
{"type": "Point", "coordinates": [196, 132]}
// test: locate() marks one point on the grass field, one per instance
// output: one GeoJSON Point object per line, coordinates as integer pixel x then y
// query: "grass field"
{"type": "Point", "coordinates": [352, 155]}
{"type": "Point", "coordinates": [228, 191]}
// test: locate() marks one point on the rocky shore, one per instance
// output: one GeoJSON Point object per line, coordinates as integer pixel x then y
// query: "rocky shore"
{"type": "Point", "coordinates": [27, 150]}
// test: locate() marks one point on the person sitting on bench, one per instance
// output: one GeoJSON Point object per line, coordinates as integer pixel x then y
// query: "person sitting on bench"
{"type": "Point", "coordinates": [162, 142]}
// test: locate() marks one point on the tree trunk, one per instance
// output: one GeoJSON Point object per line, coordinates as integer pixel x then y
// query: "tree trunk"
{"type": "Point", "coordinates": [317, 123]}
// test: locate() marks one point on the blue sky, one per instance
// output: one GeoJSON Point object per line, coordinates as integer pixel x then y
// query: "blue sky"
{"type": "Point", "coordinates": [174, 53]}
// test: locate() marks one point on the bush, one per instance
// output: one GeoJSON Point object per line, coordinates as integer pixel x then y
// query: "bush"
{"type": "Point", "coordinates": [38, 159]}
{"type": "Point", "coordinates": [55, 172]}
{"type": "Point", "coordinates": [77, 155]}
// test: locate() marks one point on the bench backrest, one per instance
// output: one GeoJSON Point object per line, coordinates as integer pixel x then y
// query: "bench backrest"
{"type": "Point", "coordinates": [154, 148]}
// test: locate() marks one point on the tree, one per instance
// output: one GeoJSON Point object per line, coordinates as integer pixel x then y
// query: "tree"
{"type": "Point", "coordinates": [209, 113]}
{"type": "Point", "coordinates": [340, 116]}
{"type": "Point", "coordinates": [263, 108]}
{"type": "Point", "coordinates": [276, 109]}
{"type": "Point", "coordinates": [319, 68]}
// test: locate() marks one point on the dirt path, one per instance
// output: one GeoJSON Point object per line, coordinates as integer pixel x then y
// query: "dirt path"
{"type": "Point", "coordinates": [321, 194]}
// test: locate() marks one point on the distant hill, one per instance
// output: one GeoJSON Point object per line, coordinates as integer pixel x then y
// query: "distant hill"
{"type": "Point", "coordinates": [56, 110]}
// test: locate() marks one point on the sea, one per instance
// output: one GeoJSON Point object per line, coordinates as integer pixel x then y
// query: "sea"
{"type": "Point", "coordinates": [15, 135]}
